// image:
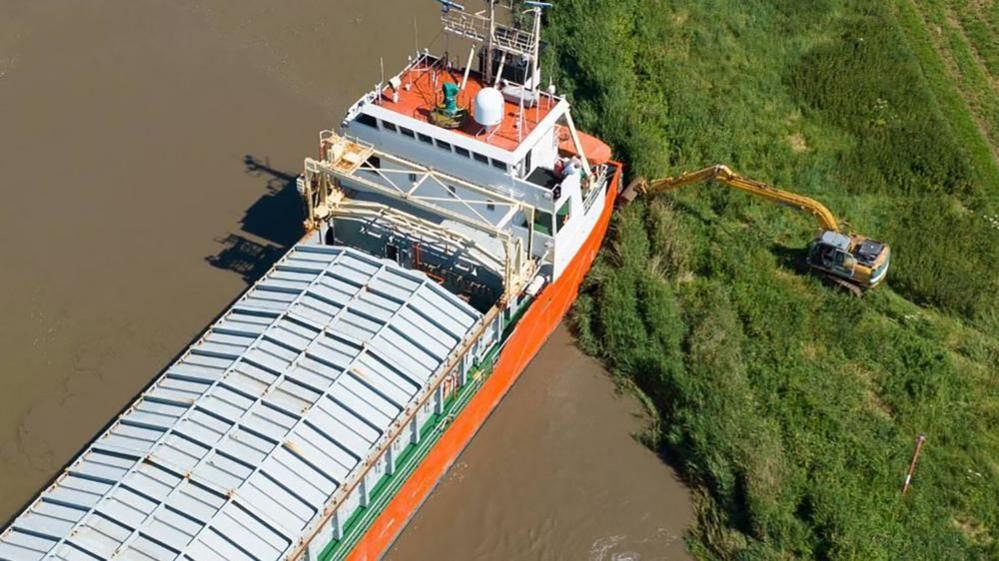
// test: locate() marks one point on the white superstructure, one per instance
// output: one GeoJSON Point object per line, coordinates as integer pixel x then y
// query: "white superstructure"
{"type": "Point", "coordinates": [484, 164]}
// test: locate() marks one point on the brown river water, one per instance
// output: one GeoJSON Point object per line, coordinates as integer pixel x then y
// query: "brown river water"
{"type": "Point", "coordinates": [148, 153]}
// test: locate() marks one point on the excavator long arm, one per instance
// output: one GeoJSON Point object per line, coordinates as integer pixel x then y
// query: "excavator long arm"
{"type": "Point", "coordinates": [723, 174]}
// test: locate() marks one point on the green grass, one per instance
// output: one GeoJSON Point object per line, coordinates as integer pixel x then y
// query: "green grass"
{"type": "Point", "coordinates": [791, 407]}
{"type": "Point", "coordinates": [965, 53]}
{"type": "Point", "coordinates": [952, 103]}
{"type": "Point", "coordinates": [979, 31]}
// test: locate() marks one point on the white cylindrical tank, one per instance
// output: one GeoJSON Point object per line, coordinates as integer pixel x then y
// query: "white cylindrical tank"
{"type": "Point", "coordinates": [489, 107]}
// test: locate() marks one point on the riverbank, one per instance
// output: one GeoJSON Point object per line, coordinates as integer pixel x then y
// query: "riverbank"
{"type": "Point", "coordinates": [793, 407]}
{"type": "Point", "coordinates": [555, 474]}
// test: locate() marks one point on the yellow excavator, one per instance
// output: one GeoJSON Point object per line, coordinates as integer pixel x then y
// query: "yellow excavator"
{"type": "Point", "coordinates": [852, 261]}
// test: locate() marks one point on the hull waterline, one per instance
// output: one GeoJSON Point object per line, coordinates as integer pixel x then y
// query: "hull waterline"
{"type": "Point", "coordinates": [527, 338]}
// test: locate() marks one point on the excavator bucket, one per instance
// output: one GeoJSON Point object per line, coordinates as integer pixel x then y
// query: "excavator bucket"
{"type": "Point", "coordinates": [631, 192]}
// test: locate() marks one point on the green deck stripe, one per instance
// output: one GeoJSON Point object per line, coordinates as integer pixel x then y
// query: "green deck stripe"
{"type": "Point", "coordinates": [412, 455]}
{"type": "Point", "coordinates": [431, 431]}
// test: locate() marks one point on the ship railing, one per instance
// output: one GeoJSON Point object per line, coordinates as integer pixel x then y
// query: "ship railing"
{"type": "Point", "coordinates": [406, 222]}
{"type": "Point", "coordinates": [596, 187]}
{"type": "Point", "coordinates": [476, 28]}
{"type": "Point", "coordinates": [424, 61]}
{"type": "Point", "coordinates": [356, 160]}
{"type": "Point", "coordinates": [421, 187]}
{"type": "Point", "coordinates": [490, 324]}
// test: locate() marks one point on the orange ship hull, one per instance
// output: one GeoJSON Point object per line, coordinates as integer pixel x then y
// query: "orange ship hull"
{"type": "Point", "coordinates": [528, 336]}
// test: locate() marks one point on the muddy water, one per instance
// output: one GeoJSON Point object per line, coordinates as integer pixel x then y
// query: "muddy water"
{"type": "Point", "coordinates": [148, 152]}
{"type": "Point", "coordinates": [554, 474]}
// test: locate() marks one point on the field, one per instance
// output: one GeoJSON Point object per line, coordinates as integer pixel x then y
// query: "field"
{"type": "Point", "coordinates": [791, 407]}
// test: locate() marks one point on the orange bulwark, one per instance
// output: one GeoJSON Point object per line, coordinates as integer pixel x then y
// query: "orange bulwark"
{"type": "Point", "coordinates": [530, 334]}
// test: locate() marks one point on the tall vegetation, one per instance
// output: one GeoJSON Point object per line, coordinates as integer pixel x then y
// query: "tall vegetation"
{"type": "Point", "coordinates": [791, 407]}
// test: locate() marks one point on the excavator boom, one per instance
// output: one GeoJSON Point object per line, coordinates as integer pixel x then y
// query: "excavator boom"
{"type": "Point", "coordinates": [852, 261]}
{"type": "Point", "coordinates": [724, 175]}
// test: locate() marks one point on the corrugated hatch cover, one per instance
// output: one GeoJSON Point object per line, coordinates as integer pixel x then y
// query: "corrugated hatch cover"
{"type": "Point", "coordinates": [240, 444]}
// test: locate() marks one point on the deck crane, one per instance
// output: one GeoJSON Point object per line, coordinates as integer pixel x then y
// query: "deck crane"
{"type": "Point", "coordinates": [852, 261]}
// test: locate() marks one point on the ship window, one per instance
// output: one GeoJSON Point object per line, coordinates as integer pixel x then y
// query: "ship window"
{"type": "Point", "coordinates": [499, 165]}
{"type": "Point", "coordinates": [406, 132]}
{"type": "Point", "coordinates": [480, 158]}
{"type": "Point", "coordinates": [462, 152]}
{"type": "Point", "coordinates": [450, 189]}
{"type": "Point", "coordinates": [424, 138]}
{"type": "Point", "coordinates": [542, 222]}
{"type": "Point", "coordinates": [490, 205]}
{"type": "Point", "coordinates": [389, 126]}
{"type": "Point", "coordinates": [443, 145]}
{"type": "Point", "coordinates": [563, 215]}
{"type": "Point", "coordinates": [368, 120]}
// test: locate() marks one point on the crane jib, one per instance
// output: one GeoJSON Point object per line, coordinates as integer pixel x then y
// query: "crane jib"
{"type": "Point", "coordinates": [869, 255]}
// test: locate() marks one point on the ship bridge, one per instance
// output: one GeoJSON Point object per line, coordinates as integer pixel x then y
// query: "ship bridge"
{"type": "Point", "coordinates": [470, 172]}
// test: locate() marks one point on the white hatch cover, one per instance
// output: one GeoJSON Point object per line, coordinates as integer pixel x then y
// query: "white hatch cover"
{"type": "Point", "coordinates": [238, 446]}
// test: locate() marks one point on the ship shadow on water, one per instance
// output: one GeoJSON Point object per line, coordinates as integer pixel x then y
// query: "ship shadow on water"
{"type": "Point", "coordinates": [269, 228]}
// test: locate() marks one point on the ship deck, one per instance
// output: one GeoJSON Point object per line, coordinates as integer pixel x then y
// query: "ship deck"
{"type": "Point", "coordinates": [246, 441]}
{"type": "Point", "coordinates": [422, 96]}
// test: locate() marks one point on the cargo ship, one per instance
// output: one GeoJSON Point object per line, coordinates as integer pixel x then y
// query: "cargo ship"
{"type": "Point", "coordinates": [451, 218]}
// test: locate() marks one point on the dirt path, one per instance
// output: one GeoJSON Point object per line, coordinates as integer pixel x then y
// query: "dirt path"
{"type": "Point", "coordinates": [956, 24]}
{"type": "Point", "coordinates": [953, 69]}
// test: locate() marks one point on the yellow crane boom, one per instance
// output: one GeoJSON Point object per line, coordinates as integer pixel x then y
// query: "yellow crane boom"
{"type": "Point", "coordinates": [852, 261]}
{"type": "Point", "coordinates": [724, 175]}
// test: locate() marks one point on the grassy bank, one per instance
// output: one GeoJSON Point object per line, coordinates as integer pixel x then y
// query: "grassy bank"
{"type": "Point", "coordinates": [791, 407]}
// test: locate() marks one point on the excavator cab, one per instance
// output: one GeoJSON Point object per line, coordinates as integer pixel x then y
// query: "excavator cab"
{"type": "Point", "coordinates": [858, 261]}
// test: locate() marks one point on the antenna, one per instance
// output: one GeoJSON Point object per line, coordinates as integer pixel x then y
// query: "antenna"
{"type": "Point", "coordinates": [498, 40]}
{"type": "Point", "coordinates": [489, 40]}
{"type": "Point", "coordinates": [537, 8]}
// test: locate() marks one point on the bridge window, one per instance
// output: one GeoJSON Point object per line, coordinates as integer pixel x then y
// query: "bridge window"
{"type": "Point", "coordinates": [462, 152]}
{"type": "Point", "coordinates": [389, 126]}
{"type": "Point", "coordinates": [499, 165]}
{"type": "Point", "coordinates": [480, 158]}
{"type": "Point", "coordinates": [424, 138]}
{"type": "Point", "coordinates": [407, 132]}
{"type": "Point", "coordinates": [443, 145]}
{"type": "Point", "coordinates": [542, 222]}
{"type": "Point", "coordinates": [368, 120]}
{"type": "Point", "coordinates": [563, 214]}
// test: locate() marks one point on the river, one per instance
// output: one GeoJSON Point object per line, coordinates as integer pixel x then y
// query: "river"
{"type": "Point", "coordinates": [148, 152]}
